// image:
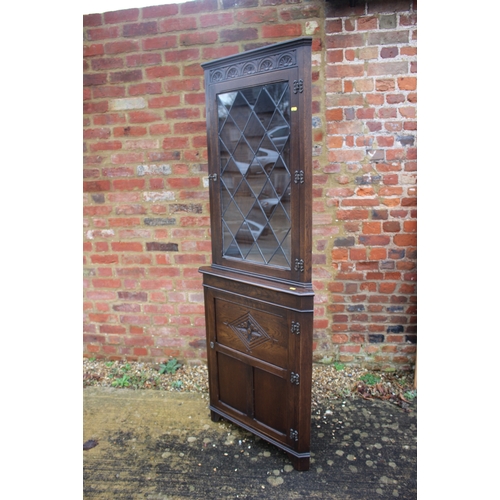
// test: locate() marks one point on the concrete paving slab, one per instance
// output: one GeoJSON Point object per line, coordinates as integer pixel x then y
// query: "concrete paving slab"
{"type": "Point", "coordinates": [163, 445]}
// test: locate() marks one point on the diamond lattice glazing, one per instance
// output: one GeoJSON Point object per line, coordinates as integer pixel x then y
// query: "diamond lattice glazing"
{"type": "Point", "coordinates": [254, 150]}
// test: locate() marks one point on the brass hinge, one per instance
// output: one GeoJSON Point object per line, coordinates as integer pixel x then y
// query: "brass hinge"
{"type": "Point", "coordinates": [298, 177]}
{"type": "Point", "coordinates": [294, 435]}
{"type": "Point", "coordinates": [295, 378]}
{"type": "Point", "coordinates": [296, 327]}
{"type": "Point", "coordinates": [299, 265]}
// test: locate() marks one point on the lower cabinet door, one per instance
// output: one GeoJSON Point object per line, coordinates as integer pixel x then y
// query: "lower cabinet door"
{"type": "Point", "coordinates": [254, 359]}
{"type": "Point", "coordinates": [249, 363]}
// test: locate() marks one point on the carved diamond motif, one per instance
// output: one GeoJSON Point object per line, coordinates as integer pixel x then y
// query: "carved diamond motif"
{"type": "Point", "coordinates": [249, 331]}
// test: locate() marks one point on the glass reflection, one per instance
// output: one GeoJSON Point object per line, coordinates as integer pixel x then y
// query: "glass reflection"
{"type": "Point", "coordinates": [254, 149]}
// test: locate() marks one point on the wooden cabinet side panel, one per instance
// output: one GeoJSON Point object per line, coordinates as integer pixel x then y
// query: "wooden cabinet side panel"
{"type": "Point", "coordinates": [213, 375]}
{"type": "Point", "coordinates": [303, 356]}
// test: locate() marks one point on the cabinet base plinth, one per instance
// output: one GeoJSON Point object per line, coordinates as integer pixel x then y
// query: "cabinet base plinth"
{"type": "Point", "coordinates": [215, 417]}
{"type": "Point", "coordinates": [299, 463]}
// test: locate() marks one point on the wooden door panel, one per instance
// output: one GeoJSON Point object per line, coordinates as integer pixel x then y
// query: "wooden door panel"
{"type": "Point", "coordinates": [235, 383]}
{"type": "Point", "coordinates": [271, 400]}
{"type": "Point", "coordinates": [253, 395]}
{"type": "Point", "coordinates": [262, 333]}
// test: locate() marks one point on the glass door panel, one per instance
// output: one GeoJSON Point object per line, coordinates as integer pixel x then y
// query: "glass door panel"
{"type": "Point", "coordinates": [254, 152]}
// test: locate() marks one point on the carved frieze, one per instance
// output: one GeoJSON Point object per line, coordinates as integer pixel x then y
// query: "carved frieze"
{"type": "Point", "coordinates": [265, 64]}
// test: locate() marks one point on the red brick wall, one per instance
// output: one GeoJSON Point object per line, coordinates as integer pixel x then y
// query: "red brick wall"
{"type": "Point", "coordinates": [146, 211]}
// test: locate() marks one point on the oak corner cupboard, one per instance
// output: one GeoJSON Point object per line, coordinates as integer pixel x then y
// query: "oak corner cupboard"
{"type": "Point", "coordinates": [258, 294]}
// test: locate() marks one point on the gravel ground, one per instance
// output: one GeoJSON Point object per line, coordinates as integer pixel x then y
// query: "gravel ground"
{"type": "Point", "coordinates": [331, 382]}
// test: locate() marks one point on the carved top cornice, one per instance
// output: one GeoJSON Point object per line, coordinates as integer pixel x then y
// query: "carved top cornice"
{"type": "Point", "coordinates": [254, 66]}
{"type": "Point", "coordinates": [279, 56]}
